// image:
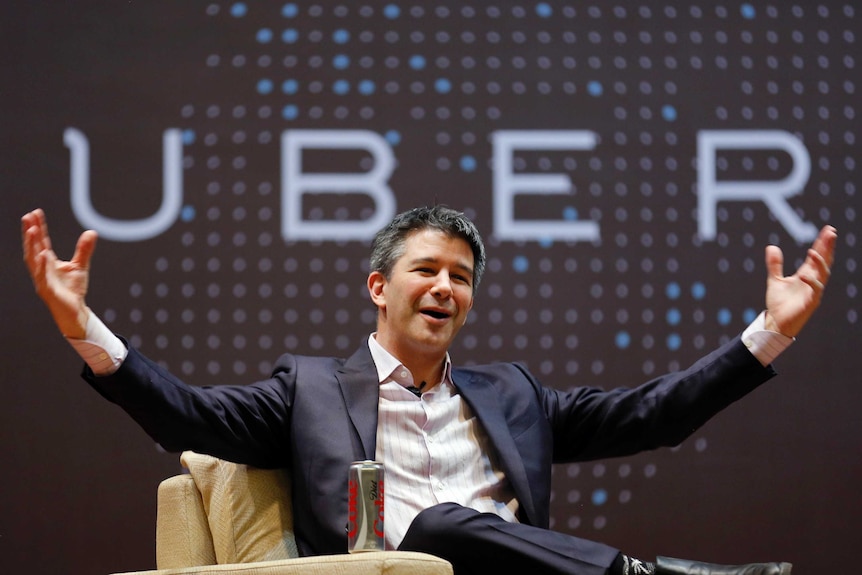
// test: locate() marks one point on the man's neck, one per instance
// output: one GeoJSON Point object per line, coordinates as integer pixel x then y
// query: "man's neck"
{"type": "Point", "coordinates": [428, 379]}
{"type": "Point", "coordinates": [425, 370]}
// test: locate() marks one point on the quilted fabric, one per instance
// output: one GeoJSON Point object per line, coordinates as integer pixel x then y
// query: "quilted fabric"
{"type": "Point", "coordinates": [371, 563]}
{"type": "Point", "coordinates": [182, 531]}
{"type": "Point", "coordinates": [248, 509]}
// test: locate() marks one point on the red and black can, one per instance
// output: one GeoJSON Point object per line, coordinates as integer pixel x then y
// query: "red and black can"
{"type": "Point", "coordinates": [365, 507]}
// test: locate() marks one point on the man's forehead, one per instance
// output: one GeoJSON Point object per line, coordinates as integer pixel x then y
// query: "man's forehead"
{"type": "Point", "coordinates": [424, 244]}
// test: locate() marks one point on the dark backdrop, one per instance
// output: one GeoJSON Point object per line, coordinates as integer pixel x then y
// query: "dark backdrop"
{"type": "Point", "coordinates": [219, 288]}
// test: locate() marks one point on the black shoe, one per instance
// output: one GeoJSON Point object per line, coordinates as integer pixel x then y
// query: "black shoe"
{"type": "Point", "coordinates": [669, 566]}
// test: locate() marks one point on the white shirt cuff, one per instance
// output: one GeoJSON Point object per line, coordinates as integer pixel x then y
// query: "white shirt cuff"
{"type": "Point", "coordinates": [764, 344]}
{"type": "Point", "coordinates": [103, 351]}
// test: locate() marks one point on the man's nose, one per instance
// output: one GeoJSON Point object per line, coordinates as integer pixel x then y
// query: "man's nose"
{"type": "Point", "coordinates": [442, 287]}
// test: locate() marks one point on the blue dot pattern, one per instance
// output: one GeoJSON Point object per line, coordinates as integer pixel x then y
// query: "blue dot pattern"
{"type": "Point", "coordinates": [436, 81]}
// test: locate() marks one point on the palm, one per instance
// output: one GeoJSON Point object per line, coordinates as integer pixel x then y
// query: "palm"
{"type": "Point", "coordinates": [62, 285]}
{"type": "Point", "coordinates": [66, 281]}
{"type": "Point", "coordinates": [791, 300]}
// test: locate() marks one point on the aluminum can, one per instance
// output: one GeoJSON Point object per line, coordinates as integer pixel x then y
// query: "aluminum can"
{"type": "Point", "coordinates": [365, 507]}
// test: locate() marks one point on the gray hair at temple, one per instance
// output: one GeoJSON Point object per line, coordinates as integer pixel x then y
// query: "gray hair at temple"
{"type": "Point", "coordinates": [389, 243]}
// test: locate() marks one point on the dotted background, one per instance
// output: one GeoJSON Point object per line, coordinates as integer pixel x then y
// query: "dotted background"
{"type": "Point", "coordinates": [221, 294]}
{"type": "Point", "coordinates": [439, 79]}
{"type": "Point", "coordinates": [436, 81]}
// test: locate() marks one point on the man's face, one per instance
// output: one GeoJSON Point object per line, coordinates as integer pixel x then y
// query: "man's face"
{"type": "Point", "coordinates": [424, 303]}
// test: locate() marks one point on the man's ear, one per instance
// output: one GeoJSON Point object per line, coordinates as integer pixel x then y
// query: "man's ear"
{"type": "Point", "coordinates": [376, 283]}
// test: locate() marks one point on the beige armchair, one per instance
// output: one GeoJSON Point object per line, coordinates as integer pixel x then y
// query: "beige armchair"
{"type": "Point", "coordinates": [225, 518]}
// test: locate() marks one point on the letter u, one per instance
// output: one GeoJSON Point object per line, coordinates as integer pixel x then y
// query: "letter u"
{"type": "Point", "coordinates": [126, 230]}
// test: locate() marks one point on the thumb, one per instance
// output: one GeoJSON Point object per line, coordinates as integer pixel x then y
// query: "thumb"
{"type": "Point", "coordinates": [84, 249]}
{"type": "Point", "coordinates": [774, 261]}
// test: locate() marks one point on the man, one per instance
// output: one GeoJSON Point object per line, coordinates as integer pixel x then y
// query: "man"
{"type": "Point", "coordinates": [468, 451]}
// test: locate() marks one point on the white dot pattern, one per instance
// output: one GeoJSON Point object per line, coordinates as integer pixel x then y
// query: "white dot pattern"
{"type": "Point", "coordinates": [436, 81]}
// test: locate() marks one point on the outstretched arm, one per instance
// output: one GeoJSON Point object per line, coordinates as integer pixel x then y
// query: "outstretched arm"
{"type": "Point", "coordinates": [62, 285]}
{"type": "Point", "coordinates": [791, 300]}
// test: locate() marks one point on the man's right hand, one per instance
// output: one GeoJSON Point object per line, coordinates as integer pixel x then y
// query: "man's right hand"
{"type": "Point", "coordinates": [62, 285]}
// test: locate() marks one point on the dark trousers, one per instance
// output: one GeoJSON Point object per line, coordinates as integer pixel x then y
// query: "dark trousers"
{"type": "Point", "coordinates": [480, 543]}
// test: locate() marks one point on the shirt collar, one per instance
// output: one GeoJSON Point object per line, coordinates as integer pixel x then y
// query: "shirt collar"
{"type": "Point", "coordinates": [387, 364]}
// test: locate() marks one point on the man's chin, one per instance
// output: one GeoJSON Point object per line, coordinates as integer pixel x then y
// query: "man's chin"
{"type": "Point", "coordinates": [435, 342]}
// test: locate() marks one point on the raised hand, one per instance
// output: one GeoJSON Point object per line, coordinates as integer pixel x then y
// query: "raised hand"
{"type": "Point", "coordinates": [791, 300]}
{"type": "Point", "coordinates": [62, 285]}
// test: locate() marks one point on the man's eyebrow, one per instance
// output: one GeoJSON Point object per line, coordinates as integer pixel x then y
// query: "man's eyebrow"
{"type": "Point", "coordinates": [433, 260]}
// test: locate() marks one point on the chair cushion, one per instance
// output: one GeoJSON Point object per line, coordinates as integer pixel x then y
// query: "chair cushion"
{"type": "Point", "coordinates": [248, 509]}
{"type": "Point", "coordinates": [370, 563]}
{"type": "Point", "coordinates": [183, 535]}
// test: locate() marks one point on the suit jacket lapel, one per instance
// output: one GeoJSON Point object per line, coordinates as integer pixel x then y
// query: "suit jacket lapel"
{"type": "Point", "coordinates": [483, 400]}
{"type": "Point", "coordinates": [360, 388]}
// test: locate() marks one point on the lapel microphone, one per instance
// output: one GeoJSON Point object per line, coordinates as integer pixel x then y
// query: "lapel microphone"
{"type": "Point", "coordinates": [417, 391]}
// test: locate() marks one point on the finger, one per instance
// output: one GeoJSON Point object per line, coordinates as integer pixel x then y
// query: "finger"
{"type": "Point", "coordinates": [818, 262]}
{"type": "Point", "coordinates": [34, 254]}
{"type": "Point", "coordinates": [36, 258]}
{"type": "Point", "coordinates": [825, 244]}
{"type": "Point", "coordinates": [26, 235]}
{"type": "Point", "coordinates": [37, 243]}
{"type": "Point", "coordinates": [29, 227]}
{"type": "Point", "coordinates": [30, 251]}
{"type": "Point", "coordinates": [33, 223]}
{"type": "Point", "coordinates": [42, 224]}
{"type": "Point", "coordinates": [814, 283]}
{"type": "Point", "coordinates": [774, 261]}
{"type": "Point", "coordinates": [84, 249]}
{"type": "Point", "coordinates": [26, 222]}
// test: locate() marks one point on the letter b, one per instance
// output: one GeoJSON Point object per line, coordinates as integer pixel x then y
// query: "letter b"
{"type": "Point", "coordinates": [295, 184]}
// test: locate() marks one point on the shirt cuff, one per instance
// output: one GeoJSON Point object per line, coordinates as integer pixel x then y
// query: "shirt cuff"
{"type": "Point", "coordinates": [764, 344]}
{"type": "Point", "coordinates": [103, 351]}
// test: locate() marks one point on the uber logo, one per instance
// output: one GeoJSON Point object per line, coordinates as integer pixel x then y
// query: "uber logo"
{"type": "Point", "coordinates": [296, 183]}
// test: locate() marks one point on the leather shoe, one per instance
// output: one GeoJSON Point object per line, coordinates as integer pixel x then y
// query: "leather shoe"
{"type": "Point", "coordinates": [670, 566]}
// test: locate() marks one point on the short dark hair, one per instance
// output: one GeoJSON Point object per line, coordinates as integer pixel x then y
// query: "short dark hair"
{"type": "Point", "coordinates": [389, 243]}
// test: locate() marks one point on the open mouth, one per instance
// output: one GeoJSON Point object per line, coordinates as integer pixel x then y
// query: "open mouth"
{"type": "Point", "coordinates": [435, 313]}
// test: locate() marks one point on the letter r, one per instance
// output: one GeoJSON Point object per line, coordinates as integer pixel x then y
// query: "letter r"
{"type": "Point", "coordinates": [772, 193]}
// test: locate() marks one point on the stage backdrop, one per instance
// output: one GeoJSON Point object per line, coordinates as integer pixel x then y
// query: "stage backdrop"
{"type": "Point", "coordinates": [627, 163]}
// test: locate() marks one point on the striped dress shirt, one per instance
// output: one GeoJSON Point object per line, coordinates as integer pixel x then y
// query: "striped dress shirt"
{"type": "Point", "coordinates": [433, 450]}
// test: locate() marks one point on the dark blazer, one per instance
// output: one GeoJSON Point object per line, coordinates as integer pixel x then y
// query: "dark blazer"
{"type": "Point", "coordinates": [316, 415]}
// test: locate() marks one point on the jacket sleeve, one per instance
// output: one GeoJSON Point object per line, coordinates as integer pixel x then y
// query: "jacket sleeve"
{"type": "Point", "coordinates": [591, 423]}
{"type": "Point", "coordinates": [242, 423]}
